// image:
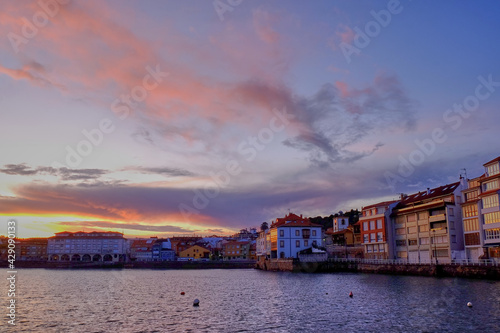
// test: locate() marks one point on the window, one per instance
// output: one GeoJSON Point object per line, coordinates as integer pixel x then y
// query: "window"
{"type": "Point", "coordinates": [380, 237]}
{"type": "Point", "coordinates": [369, 248]}
{"type": "Point", "coordinates": [372, 225]}
{"type": "Point", "coordinates": [492, 234]}
{"type": "Point", "coordinates": [423, 215]}
{"type": "Point", "coordinates": [372, 238]}
{"type": "Point", "coordinates": [470, 196]}
{"type": "Point", "coordinates": [493, 169]}
{"type": "Point", "coordinates": [469, 210]}
{"type": "Point", "coordinates": [379, 224]}
{"type": "Point", "coordinates": [451, 212]}
{"type": "Point", "coordinates": [492, 218]}
{"type": "Point", "coordinates": [400, 231]}
{"type": "Point", "coordinates": [491, 185]}
{"type": "Point", "coordinates": [381, 248]}
{"type": "Point", "coordinates": [297, 243]}
{"type": "Point", "coordinates": [411, 218]}
{"type": "Point", "coordinates": [282, 243]}
{"type": "Point", "coordinates": [400, 220]}
{"type": "Point", "coordinates": [402, 254]}
{"type": "Point", "coordinates": [365, 238]}
{"type": "Point", "coordinates": [423, 228]}
{"type": "Point", "coordinates": [365, 226]}
{"type": "Point", "coordinates": [297, 232]}
{"type": "Point", "coordinates": [472, 239]}
{"type": "Point", "coordinates": [401, 242]}
{"type": "Point", "coordinates": [412, 230]}
{"type": "Point", "coordinates": [471, 225]}
{"type": "Point", "coordinates": [306, 243]}
{"type": "Point", "coordinates": [314, 233]}
{"type": "Point", "coordinates": [439, 239]}
{"type": "Point", "coordinates": [453, 238]}
{"type": "Point", "coordinates": [375, 248]}
{"type": "Point", "coordinates": [306, 233]}
{"type": "Point", "coordinates": [490, 201]}
{"type": "Point", "coordinates": [412, 242]}
{"type": "Point", "coordinates": [282, 233]}
{"type": "Point", "coordinates": [424, 240]}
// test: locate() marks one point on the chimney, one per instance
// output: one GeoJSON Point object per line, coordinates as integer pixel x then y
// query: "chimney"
{"type": "Point", "coordinates": [300, 215]}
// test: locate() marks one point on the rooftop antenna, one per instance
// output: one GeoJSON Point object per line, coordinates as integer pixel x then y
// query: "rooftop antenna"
{"type": "Point", "coordinates": [465, 173]}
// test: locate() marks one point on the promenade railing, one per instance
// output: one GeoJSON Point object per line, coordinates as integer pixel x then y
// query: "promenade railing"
{"type": "Point", "coordinates": [463, 262]}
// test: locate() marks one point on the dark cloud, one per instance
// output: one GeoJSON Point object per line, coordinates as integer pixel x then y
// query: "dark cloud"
{"type": "Point", "coordinates": [164, 171]}
{"type": "Point", "coordinates": [336, 117]}
{"type": "Point", "coordinates": [64, 173]}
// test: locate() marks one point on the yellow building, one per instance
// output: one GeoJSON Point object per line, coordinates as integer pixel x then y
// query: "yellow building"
{"type": "Point", "coordinates": [195, 252]}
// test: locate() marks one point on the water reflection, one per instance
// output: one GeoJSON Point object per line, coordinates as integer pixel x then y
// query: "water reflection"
{"type": "Point", "coordinates": [250, 301]}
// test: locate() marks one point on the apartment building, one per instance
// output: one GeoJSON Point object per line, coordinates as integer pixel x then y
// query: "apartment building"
{"type": "Point", "coordinates": [427, 226]}
{"type": "Point", "coordinates": [490, 208]}
{"type": "Point", "coordinates": [375, 221]}
{"type": "Point", "coordinates": [87, 246]}
{"type": "Point", "coordinates": [473, 228]}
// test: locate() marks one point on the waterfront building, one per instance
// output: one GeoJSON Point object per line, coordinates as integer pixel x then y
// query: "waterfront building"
{"type": "Point", "coordinates": [375, 221]}
{"type": "Point", "coordinates": [195, 252]}
{"type": "Point", "coordinates": [182, 243]}
{"type": "Point", "coordinates": [490, 208]}
{"type": "Point", "coordinates": [340, 222]}
{"type": "Point", "coordinates": [142, 249]}
{"type": "Point", "coordinates": [87, 246]}
{"type": "Point", "coordinates": [263, 244]}
{"type": "Point", "coordinates": [471, 219]}
{"type": "Point", "coordinates": [32, 249]}
{"type": "Point", "coordinates": [427, 226]}
{"type": "Point", "coordinates": [162, 250]}
{"type": "Point", "coordinates": [236, 250]}
{"type": "Point", "coordinates": [292, 234]}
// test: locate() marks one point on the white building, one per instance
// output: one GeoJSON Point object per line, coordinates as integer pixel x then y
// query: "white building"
{"type": "Point", "coordinates": [340, 223]}
{"type": "Point", "coordinates": [292, 234]}
{"type": "Point", "coordinates": [87, 246]}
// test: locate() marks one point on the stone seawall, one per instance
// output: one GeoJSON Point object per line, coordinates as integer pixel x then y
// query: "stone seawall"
{"type": "Point", "coordinates": [466, 271]}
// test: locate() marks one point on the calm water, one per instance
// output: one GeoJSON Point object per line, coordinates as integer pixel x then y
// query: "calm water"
{"type": "Point", "coordinates": [249, 301]}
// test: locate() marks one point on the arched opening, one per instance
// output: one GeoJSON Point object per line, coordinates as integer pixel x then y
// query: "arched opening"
{"type": "Point", "coordinates": [65, 257]}
{"type": "Point", "coordinates": [75, 257]}
{"type": "Point", "coordinates": [97, 257]}
{"type": "Point", "coordinates": [86, 257]}
{"type": "Point", "coordinates": [122, 257]}
{"type": "Point", "coordinates": [54, 257]}
{"type": "Point", "coordinates": [282, 255]}
{"type": "Point", "coordinates": [107, 257]}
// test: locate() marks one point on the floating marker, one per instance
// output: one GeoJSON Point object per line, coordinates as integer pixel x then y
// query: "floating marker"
{"type": "Point", "coordinates": [183, 293]}
{"type": "Point", "coordinates": [350, 294]}
{"type": "Point", "coordinates": [196, 302]}
{"type": "Point", "coordinates": [469, 304]}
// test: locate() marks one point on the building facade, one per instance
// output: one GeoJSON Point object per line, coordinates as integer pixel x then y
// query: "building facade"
{"type": "Point", "coordinates": [490, 208]}
{"type": "Point", "coordinates": [427, 226]}
{"type": "Point", "coordinates": [375, 221]}
{"type": "Point", "coordinates": [87, 246]}
{"type": "Point", "coordinates": [340, 223]}
{"type": "Point", "coordinates": [195, 252]}
{"type": "Point", "coordinates": [471, 220]}
{"type": "Point", "coordinates": [292, 234]}
{"type": "Point", "coordinates": [32, 249]}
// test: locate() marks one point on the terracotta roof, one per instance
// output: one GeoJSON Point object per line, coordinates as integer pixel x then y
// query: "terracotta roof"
{"type": "Point", "coordinates": [298, 224]}
{"type": "Point", "coordinates": [432, 193]}
{"type": "Point", "coordinates": [384, 203]}
{"type": "Point", "coordinates": [290, 217]}
{"type": "Point", "coordinates": [331, 232]}
{"type": "Point", "coordinates": [493, 160]}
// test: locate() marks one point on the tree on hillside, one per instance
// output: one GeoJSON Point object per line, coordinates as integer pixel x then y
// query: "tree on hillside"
{"type": "Point", "coordinates": [264, 226]}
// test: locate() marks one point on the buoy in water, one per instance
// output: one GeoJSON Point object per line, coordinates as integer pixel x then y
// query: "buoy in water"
{"type": "Point", "coordinates": [469, 304]}
{"type": "Point", "coordinates": [350, 294]}
{"type": "Point", "coordinates": [196, 302]}
{"type": "Point", "coordinates": [183, 293]}
{"type": "Point", "coordinates": [327, 293]}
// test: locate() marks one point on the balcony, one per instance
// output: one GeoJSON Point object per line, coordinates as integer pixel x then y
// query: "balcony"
{"type": "Point", "coordinates": [437, 218]}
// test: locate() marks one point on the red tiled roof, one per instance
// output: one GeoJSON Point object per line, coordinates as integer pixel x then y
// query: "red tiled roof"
{"type": "Point", "coordinates": [433, 193]}
{"type": "Point", "coordinates": [331, 232]}
{"type": "Point", "coordinates": [290, 217]}
{"type": "Point", "coordinates": [298, 224]}
{"type": "Point", "coordinates": [493, 160]}
{"type": "Point", "coordinates": [384, 203]}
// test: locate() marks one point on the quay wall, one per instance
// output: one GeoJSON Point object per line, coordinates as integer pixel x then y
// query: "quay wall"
{"type": "Point", "coordinates": [445, 270]}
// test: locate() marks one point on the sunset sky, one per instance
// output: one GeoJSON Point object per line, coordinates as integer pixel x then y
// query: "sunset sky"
{"type": "Point", "coordinates": [156, 118]}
